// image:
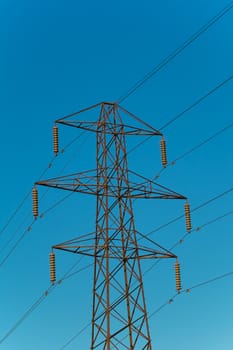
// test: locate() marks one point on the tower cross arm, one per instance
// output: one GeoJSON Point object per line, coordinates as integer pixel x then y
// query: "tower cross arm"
{"type": "Point", "coordinates": [97, 118]}
{"type": "Point", "coordinates": [86, 245]}
{"type": "Point", "coordinates": [110, 128]}
{"type": "Point", "coordinates": [89, 183]}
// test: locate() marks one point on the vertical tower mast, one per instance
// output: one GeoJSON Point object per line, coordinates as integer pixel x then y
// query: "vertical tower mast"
{"type": "Point", "coordinates": [118, 296]}
{"type": "Point", "coordinates": [119, 315]}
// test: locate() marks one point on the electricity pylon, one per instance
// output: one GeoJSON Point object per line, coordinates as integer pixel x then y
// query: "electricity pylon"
{"type": "Point", "coordinates": [119, 314]}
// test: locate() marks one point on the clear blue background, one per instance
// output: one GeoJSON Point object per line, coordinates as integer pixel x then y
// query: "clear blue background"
{"type": "Point", "coordinates": [60, 56]}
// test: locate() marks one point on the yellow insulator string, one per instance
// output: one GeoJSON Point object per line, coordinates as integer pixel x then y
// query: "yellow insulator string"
{"type": "Point", "coordinates": [35, 202]}
{"type": "Point", "coordinates": [178, 280]}
{"type": "Point", "coordinates": [55, 140]}
{"type": "Point", "coordinates": [52, 267]}
{"type": "Point", "coordinates": [163, 152]}
{"type": "Point", "coordinates": [187, 217]}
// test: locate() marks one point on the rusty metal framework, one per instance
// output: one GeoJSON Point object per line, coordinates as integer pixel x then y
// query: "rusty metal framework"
{"type": "Point", "coordinates": [119, 313]}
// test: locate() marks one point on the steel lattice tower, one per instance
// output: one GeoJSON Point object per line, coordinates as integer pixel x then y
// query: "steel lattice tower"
{"type": "Point", "coordinates": [119, 314]}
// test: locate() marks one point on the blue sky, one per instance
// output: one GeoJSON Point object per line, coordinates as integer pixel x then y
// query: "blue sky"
{"type": "Point", "coordinates": [59, 57]}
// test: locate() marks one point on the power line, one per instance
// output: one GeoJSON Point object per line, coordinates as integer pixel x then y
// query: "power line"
{"type": "Point", "coordinates": [29, 214]}
{"type": "Point", "coordinates": [30, 227]}
{"type": "Point", "coordinates": [24, 199]}
{"type": "Point", "coordinates": [42, 297]}
{"type": "Point", "coordinates": [187, 290]}
{"type": "Point", "coordinates": [193, 149]}
{"type": "Point", "coordinates": [197, 229]}
{"type": "Point", "coordinates": [14, 233]}
{"type": "Point", "coordinates": [3, 261]}
{"type": "Point", "coordinates": [194, 104]}
{"type": "Point", "coordinates": [204, 283]}
{"type": "Point", "coordinates": [75, 336]}
{"type": "Point", "coordinates": [17, 243]}
{"type": "Point", "coordinates": [177, 51]}
{"type": "Point", "coordinates": [213, 199]}
{"type": "Point", "coordinates": [197, 102]}
{"type": "Point", "coordinates": [26, 314]}
{"type": "Point", "coordinates": [15, 212]}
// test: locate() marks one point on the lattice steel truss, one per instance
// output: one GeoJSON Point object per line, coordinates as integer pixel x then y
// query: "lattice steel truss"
{"type": "Point", "coordinates": [119, 314]}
